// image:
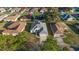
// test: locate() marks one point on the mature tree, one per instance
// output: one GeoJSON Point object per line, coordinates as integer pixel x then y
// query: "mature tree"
{"type": "Point", "coordinates": [28, 40]}
{"type": "Point", "coordinates": [19, 42]}
{"type": "Point", "coordinates": [9, 43]}
{"type": "Point", "coordinates": [52, 14]}
{"type": "Point", "coordinates": [55, 12]}
{"type": "Point", "coordinates": [50, 45]}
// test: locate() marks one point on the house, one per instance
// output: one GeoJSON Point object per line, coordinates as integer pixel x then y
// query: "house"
{"type": "Point", "coordinates": [39, 28]}
{"type": "Point", "coordinates": [58, 28]}
{"type": "Point", "coordinates": [14, 28]}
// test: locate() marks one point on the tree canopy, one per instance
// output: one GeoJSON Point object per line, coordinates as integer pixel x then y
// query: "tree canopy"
{"type": "Point", "coordinates": [50, 45]}
{"type": "Point", "coordinates": [11, 43]}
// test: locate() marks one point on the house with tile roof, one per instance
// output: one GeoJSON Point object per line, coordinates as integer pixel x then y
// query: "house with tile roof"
{"type": "Point", "coordinates": [19, 27]}
{"type": "Point", "coordinates": [58, 28]}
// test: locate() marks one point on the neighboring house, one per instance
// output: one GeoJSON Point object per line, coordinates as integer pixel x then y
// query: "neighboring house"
{"type": "Point", "coordinates": [40, 29]}
{"type": "Point", "coordinates": [19, 27]}
{"type": "Point", "coordinates": [58, 29]}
